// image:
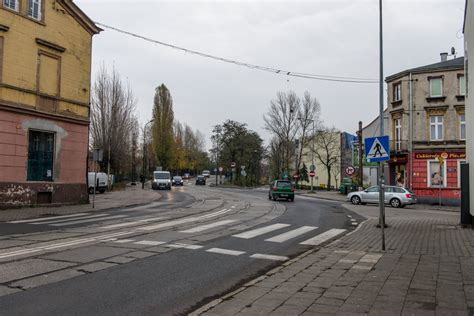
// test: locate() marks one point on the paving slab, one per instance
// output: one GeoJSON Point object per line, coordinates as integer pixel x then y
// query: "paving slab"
{"type": "Point", "coordinates": [26, 268]}
{"type": "Point", "coordinates": [96, 266]}
{"type": "Point", "coordinates": [4, 290]}
{"type": "Point", "coordinates": [87, 254]}
{"type": "Point", "coordinates": [47, 278]}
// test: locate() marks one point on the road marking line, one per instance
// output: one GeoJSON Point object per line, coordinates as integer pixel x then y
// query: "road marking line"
{"type": "Point", "coordinates": [89, 220]}
{"type": "Point", "coordinates": [354, 224]}
{"type": "Point", "coordinates": [353, 219]}
{"type": "Point", "coordinates": [62, 244]}
{"type": "Point", "coordinates": [269, 257]}
{"type": "Point", "coordinates": [208, 226]}
{"type": "Point", "coordinates": [185, 246]}
{"type": "Point", "coordinates": [149, 243]}
{"type": "Point", "coordinates": [142, 221]}
{"type": "Point", "coordinates": [123, 241]}
{"type": "Point", "coordinates": [71, 219]}
{"type": "Point", "coordinates": [260, 231]}
{"type": "Point", "coordinates": [319, 239]}
{"type": "Point", "coordinates": [226, 251]}
{"type": "Point", "coordinates": [46, 219]}
{"type": "Point", "coordinates": [292, 234]}
{"type": "Point", "coordinates": [184, 220]}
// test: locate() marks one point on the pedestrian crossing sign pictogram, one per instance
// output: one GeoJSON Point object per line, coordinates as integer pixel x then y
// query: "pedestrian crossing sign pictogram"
{"type": "Point", "coordinates": [377, 148]}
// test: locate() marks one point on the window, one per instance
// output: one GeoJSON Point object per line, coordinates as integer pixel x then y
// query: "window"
{"type": "Point", "coordinates": [11, 4]}
{"type": "Point", "coordinates": [436, 87]}
{"type": "Point", "coordinates": [462, 126]}
{"type": "Point", "coordinates": [40, 156]}
{"type": "Point", "coordinates": [436, 127]}
{"type": "Point", "coordinates": [373, 189]}
{"type": "Point", "coordinates": [398, 134]}
{"type": "Point", "coordinates": [34, 9]}
{"type": "Point", "coordinates": [397, 92]}
{"type": "Point", "coordinates": [462, 85]}
{"type": "Point", "coordinates": [436, 174]}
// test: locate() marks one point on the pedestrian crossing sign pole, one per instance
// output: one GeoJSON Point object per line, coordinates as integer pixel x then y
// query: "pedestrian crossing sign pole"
{"type": "Point", "coordinates": [377, 149]}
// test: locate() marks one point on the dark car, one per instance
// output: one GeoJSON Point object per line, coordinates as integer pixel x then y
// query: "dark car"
{"type": "Point", "coordinates": [177, 180]}
{"type": "Point", "coordinates": [281, 189]}
{"type": "Point", "coordinates": [200, 180]}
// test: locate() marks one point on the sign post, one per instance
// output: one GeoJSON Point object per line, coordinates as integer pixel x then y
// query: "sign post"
{"type": "Point", "coordinates": [378, 150]}
{"type": "Point", "coordinates": [97, 156]}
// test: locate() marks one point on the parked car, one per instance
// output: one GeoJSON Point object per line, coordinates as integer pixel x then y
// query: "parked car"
{"type": "Point", "coordinates": [186, 176]}
{"type": "Point", "coordinates": [177, 180]}
{"type": "Point", "coordinates": [101, 181]}
{"type": "Point", "coordinates": [395, 196]}
{"type": "Point", "coordinates": [281, 189]}
{"type": "Point", "coordinates": [206, 173]}
{"type": "Point", "coordinates": [161, 180]}
{"type": "Point", "coordinates": [200, 180]}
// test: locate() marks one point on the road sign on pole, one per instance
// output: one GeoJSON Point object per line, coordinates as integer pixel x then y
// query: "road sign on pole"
{"type": "Point", "coordinates": [312, 173]}
{"type": "Point", "coordinates": [349, 171]}
{"type": "Point", "coordinates": [377, 149]}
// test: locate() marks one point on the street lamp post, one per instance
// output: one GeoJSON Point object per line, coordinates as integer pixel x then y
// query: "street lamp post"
{"type": "Point", "coordinates": [144, 153]}
{"type": "Point", "coordinates": [312, 147]}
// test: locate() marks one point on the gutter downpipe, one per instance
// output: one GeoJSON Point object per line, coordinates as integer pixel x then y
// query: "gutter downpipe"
{"type": "Point", "coordinates": [410, 131]}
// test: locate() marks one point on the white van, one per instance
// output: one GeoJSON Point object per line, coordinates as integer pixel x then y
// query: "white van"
{"type": "Point", "coordinates": [102, 182]}
{"type": "Point", "coordinates": [206, 173]}
{"type": "Point", "coordinates": [161, 180]}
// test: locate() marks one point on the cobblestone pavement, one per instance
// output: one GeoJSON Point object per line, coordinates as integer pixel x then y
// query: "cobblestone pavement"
{"type": "Point", "coordinates": [130, 196]}
{"type": "Point", "coordinates": [427, 269]}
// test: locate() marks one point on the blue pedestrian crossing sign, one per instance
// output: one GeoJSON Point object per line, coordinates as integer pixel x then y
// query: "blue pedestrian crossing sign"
{"type": "Point", "coordinates": [377, 148]}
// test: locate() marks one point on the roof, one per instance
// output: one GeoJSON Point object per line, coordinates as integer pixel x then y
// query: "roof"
{"type": "Point", "coordinates": [80, 16]}
{"type": "Point", "coordinates": [450, 64]}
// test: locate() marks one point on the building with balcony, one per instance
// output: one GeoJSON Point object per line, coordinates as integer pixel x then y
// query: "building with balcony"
{"type": "Point", "coordinates": [45, 71]}
{"type": "Point", "coordinates": [427, 128]}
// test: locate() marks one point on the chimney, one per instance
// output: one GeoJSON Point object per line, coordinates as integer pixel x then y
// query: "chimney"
{"type": "Point", "coordinates": [444, 56]}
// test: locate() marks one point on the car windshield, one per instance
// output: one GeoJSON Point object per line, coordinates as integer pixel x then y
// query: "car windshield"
{"type": "Point", "coordinates": [161, 175]}
{"type": "Point", "coordinates": [200, 177]}
{"type": "Point", "coordinates": [284, 184]}
{"type": "Point", "coordinates": [176, 178]}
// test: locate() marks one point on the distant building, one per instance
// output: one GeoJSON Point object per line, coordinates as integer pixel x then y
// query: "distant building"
{"type": "Point", "coordinates": [469, 55]}
{"type": "Point", "coordinates": [427, 121]}
{"type": "Point", "coordinates": [45, 80]}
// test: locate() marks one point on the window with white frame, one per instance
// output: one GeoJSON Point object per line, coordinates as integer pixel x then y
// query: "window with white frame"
{"type": "Point", "coordinates": [436, 127]}
{"type": "Point", "coordinates": [436, 87]}
{"type": "Point", "coordinates": [11, 4]}
{"type": "Point", "coordinates": [34, 9]}
{"type": "Point", "coordinates": [462, 85]}
{"type": "Point", "coordinates": [397, 92]}
{"type": "Point", "coordinates": [398, 133]}
{"type": "Point", "coordinates": [462, 126]}
{"type": "Point", "coordinates": [436, 174]}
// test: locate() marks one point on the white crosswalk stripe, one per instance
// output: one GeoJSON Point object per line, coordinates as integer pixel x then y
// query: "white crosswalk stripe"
{"type": "Point", "coordinates": [208, 226]}
{"type": "Point", "coordinates": [292, 234]}
{"type": "Point", "coordinates": [134, 223]}
{"type": "Point", "coordinates": [226, 251]}
{"type": "Point", "coordinates": [149, 243]}
{"type": "Point", "coordinates": [260, 231]}
{"type": "Point", "coordinates": [321, 238]}
{"type": "Point", "coordinates": [269, 257]}
{"type": "Point", "coordinates": [184, 246]}
{"type": "Point", "coordinates": [123, 241]}
{"type": "Point", "coordinates": [88, 220]}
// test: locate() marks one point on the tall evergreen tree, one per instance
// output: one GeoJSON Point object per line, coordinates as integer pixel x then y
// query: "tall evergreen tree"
{"type": "Point", "coordinates": [162, 132]}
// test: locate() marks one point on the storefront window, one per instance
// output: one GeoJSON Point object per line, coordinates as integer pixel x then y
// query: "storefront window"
{"type": "Point", "coordinates": [436, 174]}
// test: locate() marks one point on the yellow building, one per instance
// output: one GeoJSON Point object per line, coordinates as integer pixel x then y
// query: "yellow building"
{"type": "Point", "coordinates": [45, 71]}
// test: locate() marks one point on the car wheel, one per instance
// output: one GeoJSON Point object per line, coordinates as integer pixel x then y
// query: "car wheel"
{"type": "Point", "coordinates": [355, 200]}
{"type": "Point", "coordinates": [102, 191]}
{"type": "Point", "coordinates": [292, 200]}
{"type": "Point", "coordinates": [395, 203]}
{"type": "Point", "coordinates": [269, 197]}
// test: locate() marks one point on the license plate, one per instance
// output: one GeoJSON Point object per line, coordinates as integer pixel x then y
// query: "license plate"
{"type": "Point", "coordinates": [284, 195]}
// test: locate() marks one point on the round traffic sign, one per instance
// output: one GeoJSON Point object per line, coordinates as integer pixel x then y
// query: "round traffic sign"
{"type": "Point", "coordinates": [312, 167]}
{"type": "Point", "coordinates": [312, 173]}
{"type": "Point", "coordinates": [232, 165]}
{"type": "Point", "coordinates": [296, 176]}
{"type": "Point", "coordinates": [221, 169]}
{"type": "Point", "coordinates": [350, 170]}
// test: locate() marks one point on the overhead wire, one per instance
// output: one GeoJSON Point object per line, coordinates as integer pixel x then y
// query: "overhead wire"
{"type": "Point", "coordinates": [244, 64]}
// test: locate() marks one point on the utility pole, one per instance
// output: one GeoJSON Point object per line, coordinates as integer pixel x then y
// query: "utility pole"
{"type": "Point", "coordinates": [361, 166]}
{"type": "Point", "coordinates": [410, 132]}
{"type": "Point", "coordinates": [381, 176]}
{"type": "Point", "coordinates": [312, 158]}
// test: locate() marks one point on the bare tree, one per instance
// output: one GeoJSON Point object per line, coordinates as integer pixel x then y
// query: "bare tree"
{"type": "Point", "coordinates": [113, 119]}
{"type": "Point", "coordinates": [328, 150]}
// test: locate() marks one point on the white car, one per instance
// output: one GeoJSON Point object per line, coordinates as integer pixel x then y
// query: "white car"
{"type": "Point", "coordinates": [101, 181]}
{"type": "Point", "coordinates": [395, 196]}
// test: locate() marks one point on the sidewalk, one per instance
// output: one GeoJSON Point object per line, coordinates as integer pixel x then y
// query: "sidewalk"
{"type": "Point", "coordinates": [131, 196]}
{"type": "Point", "coordinates": [428, 269]}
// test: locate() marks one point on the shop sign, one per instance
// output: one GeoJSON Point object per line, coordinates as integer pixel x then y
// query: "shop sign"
{"type": "Point", "coordinates": [452, 155]}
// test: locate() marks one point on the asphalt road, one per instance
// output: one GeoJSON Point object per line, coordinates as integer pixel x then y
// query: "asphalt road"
{"type": "Point", "coordinates": [170, 280]}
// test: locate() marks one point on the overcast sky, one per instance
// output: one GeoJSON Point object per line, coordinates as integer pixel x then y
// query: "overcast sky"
{"type": "Point", "coordinates": [332, 37]}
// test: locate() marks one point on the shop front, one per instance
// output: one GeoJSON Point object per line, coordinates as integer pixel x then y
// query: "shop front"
{"type": "Point", "coordinates": [436, 176]}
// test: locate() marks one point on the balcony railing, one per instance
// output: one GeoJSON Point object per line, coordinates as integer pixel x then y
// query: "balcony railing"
{"type": "Point", "coordinates": [399, 146]}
